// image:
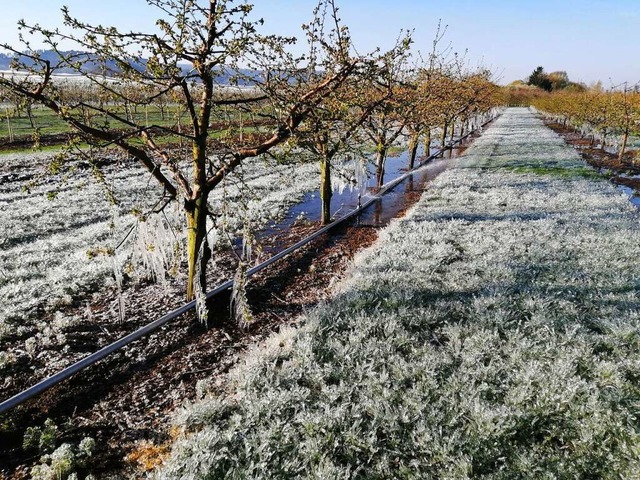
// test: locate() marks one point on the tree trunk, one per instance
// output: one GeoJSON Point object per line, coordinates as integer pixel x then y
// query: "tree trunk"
{"type": "Point", "coordinates": [623, 147]}
{"type": "Point", "coordinates": [29, 111]}
{"type": "Point", "coordinates": [10, 130]}
{"type": "Point", "coordinates": [413, 149]}
{"type": "Point", "coordinates": [197, 234]}
{"type": "Point", "coordinates": [443, 139]}
{"type": "Point", "coordinates": [410, 185]}
{"type": "Point", "coordinates": [427, 143]}
{"type": "Point", "coordinates": [453, 131]}
{"type": "Point", "coordinates": [381, 155]}
{"type": "Point", "coordinates": [326, 192]}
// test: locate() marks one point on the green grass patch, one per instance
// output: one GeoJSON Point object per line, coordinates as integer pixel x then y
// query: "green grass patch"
{"type": "Point", "coordinates": [31, 149]}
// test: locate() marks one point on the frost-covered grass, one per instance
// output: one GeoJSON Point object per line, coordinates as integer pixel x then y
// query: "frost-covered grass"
{"type": "Point", "coordinates": [47, 232]}
{"type": "Point", "coordinates": [491, 333]}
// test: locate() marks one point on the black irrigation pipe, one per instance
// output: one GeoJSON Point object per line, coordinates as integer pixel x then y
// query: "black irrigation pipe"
{"type": "Point", "coordinates": [89, 360]}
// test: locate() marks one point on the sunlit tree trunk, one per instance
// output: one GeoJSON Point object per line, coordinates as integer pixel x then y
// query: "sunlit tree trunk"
{"type": "Point", "coordinates": [427, 142]}
{"type": "Point", "coordinates": [443, 138]}
{"type": "Point", "coordinates": [9, 127]}
{"type": "Point", "coordinates": [623, 147]}
{"type": "Point", "coordinates": [127, 111]}
{"type": "Point", "coordinates": [326, 191]}
{"type": "Point", "coordinates": [381, 155]}
{"type": "Point", "coordinates": [413, 149]}
{"type": "Point", "coordinates": [29, 111]}
{"type": "Point", "coordinates": [196, 206]}
{"type": "Point", "coordinates": [196, 211]}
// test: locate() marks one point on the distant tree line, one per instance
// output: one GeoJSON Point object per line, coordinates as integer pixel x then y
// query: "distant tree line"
{"type": "Point", "coordinates": [553, 81]}
{"type": "Point", "coordinates": [536, 85]}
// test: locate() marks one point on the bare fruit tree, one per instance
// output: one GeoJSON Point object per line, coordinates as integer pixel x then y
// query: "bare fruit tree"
{"type": "Point", "coordinates": [197, 47]}
{"type": "Point", "coordinates": [386, 121]}
{"type": "Point", "coordinates": [334, 129]}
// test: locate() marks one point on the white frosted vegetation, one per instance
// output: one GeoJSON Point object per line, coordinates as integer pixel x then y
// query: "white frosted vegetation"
{"type": "Point", "coordinates": [44, 242]}
{"type": "Point", "coordinates": [491, 333]}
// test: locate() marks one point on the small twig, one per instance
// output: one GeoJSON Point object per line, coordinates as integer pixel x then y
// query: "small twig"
{"type": "Point", "coordinates": [107, 332]}
{"type": "Point", "coordinates": [157, 208]}
{"type": "Point", "coordinates": [279, 317]}
{"type": "Point", "coordinates": [133, 227]}
{"type": "Point", "coordinates": [279, 299]}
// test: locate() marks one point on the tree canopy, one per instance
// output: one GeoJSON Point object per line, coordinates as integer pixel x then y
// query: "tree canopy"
{"type": "Point", "coordinates": [553, 81]}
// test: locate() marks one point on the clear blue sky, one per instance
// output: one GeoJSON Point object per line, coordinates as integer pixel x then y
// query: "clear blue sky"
{"type": "Point", "coordinates": [590, 39]}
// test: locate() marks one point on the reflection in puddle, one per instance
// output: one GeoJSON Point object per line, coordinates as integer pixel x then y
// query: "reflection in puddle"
{"type": "Point", "coordinates": [634, 196]}
{"type": "Point", "coordinates": [380, 212]}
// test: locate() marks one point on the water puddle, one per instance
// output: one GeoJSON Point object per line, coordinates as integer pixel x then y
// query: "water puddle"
{"type": "Point", "coordinates": [629, 176]}
{"type": "Point", "coordinates": [617, 178]}
{"type": "Point", "coordinates": [634, 195]}
{"type": "Point", "coordinates": [403, 195]}
{"type": "Point", "coordinates": [380, 212]}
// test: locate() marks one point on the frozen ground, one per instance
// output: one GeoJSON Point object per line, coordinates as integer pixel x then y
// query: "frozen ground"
{"type": "Point", "coordinates": [491, 333]}
{"type": "Point", "coordinates": [53, 237]}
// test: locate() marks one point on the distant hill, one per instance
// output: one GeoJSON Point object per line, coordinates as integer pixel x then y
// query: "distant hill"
{"type": "Point", "coordinates": [90, 65]}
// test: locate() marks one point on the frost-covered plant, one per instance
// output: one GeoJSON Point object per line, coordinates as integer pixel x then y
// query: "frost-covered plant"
{"type": "Point", "coordinates": [57, 466]}
{"type": "Point", "coordinates": [157, 247]}
{"type": "Point", "coordinates": [61, 463]}
{"type": "Point", "coordinates": [86, 446]}
{"type": "Point", "coordinates": [6, 360]}
{"type": "Point", "coordinates": [491, 333]}
{"type": "Point", "coordinates": [44, 439]}
{"type": "Point", "coordinates": [239, 300]}
{"type": "Point", "coordinates": [200, 294]}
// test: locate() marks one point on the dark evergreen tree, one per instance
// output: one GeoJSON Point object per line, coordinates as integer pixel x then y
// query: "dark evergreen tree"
{"type": "Point", "coordinates": [540, 79]}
